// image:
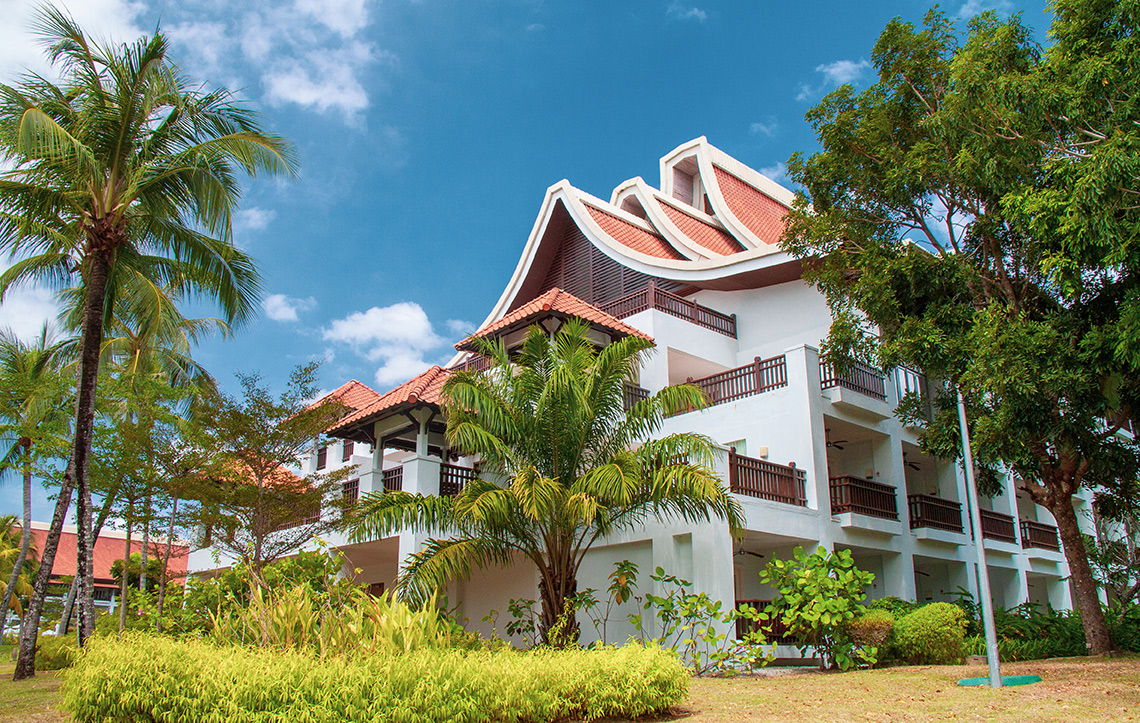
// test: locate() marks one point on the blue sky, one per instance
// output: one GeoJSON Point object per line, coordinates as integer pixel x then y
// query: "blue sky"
{"type": "Point", "coordinates": [429, 131]}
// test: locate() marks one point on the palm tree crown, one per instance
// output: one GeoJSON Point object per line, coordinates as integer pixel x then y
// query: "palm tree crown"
{"type": "Point", "coordinates": [552, 422]}
{"type": "Point", "coordinates": [123, 170]}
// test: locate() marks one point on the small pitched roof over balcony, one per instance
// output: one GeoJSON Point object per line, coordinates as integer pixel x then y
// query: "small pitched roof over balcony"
{"type": "Point", "coordinates": [353, 394]}
{"type": "Point", "coordinates": [423, 390]}
{"type": "Point", "coordinates": [556, 304]}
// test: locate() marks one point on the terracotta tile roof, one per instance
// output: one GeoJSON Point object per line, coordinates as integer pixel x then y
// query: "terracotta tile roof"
{"type": "Point", "coordinates": [635, 237]}
{"type": "Point", "coordinates": [107, 550]}
{"type": "Point", "coordinates": [561, 303]}
{"type": "Point", "coordinates": [353, 394]}
{"type": "Point", "coordinates": [425, 388]}
{"type": "Point", "coordinates": [762, 214]}
{"type": "Point", "coordinates": [709, 237]}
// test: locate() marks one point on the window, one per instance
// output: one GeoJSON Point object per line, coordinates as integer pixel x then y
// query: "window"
{"type": "Point", "coordinates": [351, 492]}
{"type": "Point", "coordinates": [323, 457]}
{"type": "Point", "coordinates": [376, 589]}
{"type": "Point", "coordinates": [347, 450]}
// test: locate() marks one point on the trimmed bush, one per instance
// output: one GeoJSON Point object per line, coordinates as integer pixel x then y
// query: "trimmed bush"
{"type": "Point", "coordinates": [55, 652]}
{"type": "Point", "coordinates": [1125, 628]}
{"type": "Point", "coordinates": [896, 606]}
{"type": "Point", "coordinates": [932, 635]}
{"type": "Point", "coordinates": [149, 677]}
{"type": "Point", "coordinates": [871, 628]}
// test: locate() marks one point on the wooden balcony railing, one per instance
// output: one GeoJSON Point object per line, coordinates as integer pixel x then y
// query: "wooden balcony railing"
{"type": "Point", "coordinates": [760, 376]}
{"type": "Point", "coordinates": [1039, 534]}
{"type": "Point", "coordinates": [394, 479]}
{"type": "Point", "coordinates": [867, 497]}
{"type": "Point", "coordinates": [632, 394]}
{"type": "Point", "coordinates": [453, 478]}
{"type": "Point", "coordinates": [474, 363]}
{"type": "Point", "coordinates": [935, 512]}
{"type": "Point", "coordinates": [652, 297]}
{"type": "Point", "coordinates": [997, 526]}
{"type": "Point", "coordinates": [766, 480]}
{"type": "Point", "coordinates": [858, 377]}
{"type": "Point", "coordinates": [774, 629]}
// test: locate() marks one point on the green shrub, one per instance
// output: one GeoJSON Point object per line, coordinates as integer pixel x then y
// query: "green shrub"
{"type": "Point", "coordinates": [55, 652]}
{"type": "Point", "coordinates": [896, 606]}
{"type": "Point", "coordinates": [872, 628]}
{"type": "Point", "coordinates": [1125, 628]}
{"type": "Point", "coordinates": [934, 634]}
{"type": "Point", "coordinates": [151, 677]}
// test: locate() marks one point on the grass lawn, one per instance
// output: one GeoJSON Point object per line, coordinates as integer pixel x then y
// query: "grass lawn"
{"type": "Point", "coordinates": [1074, 690]}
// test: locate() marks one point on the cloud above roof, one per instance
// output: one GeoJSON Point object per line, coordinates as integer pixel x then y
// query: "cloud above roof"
{"type": "Point", "coordinates": [398, 336]}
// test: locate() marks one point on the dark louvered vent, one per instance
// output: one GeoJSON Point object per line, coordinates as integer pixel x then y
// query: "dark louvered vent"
{"type": "Point", "coordinates": [585, 271]}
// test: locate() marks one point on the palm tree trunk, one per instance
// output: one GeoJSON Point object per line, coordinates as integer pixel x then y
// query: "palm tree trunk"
{"type": "Point", "coordinates": [101, 250]}
{"type": "Point", "coordinates": [126, 573]}
{"type": "Point", "coordinates": [69, 603]}
{"type": "Point", "coordinates": [25, 541]}
{"type": "Point", "coordinates": [29, 630]}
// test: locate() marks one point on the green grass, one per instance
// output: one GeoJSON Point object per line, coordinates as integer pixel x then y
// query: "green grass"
{"type": "Point", "coordinates": [1074, 690]}
{"type": "Point", "coordinates": [29, 701]}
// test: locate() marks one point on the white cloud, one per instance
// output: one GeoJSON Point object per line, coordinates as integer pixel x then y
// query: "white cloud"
{"type": "Point", "coordinates": [253, 218]}
{"type": "Point", "coordinates": [345, 17]}
{"type": "Point", "coordinates": [680, 12]}
{"type": "Point", "coordinates": [26, 309]}
{"type": "Point", "coordinates": [535, 27]}
{"type": "Point", "coordinates": [280, 307]}
{"type": "Point", "coordinates": [458, 327]}
{"type": "Point", "coordinates": [834, 75]}
{"type": "Point", "coordinates": [767, 127]}
{"type": "Point", "coordinates": [970, 8]}
{"type": "Point", "coordinates": [777, 172]}
{"type": "Point", "coordinates": [399, 368]}
{"type": "Point", "coordinates": [102, 19]}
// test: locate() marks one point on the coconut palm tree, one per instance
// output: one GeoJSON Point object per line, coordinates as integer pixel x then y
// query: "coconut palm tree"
{"type": "Point", "coordinates": [33, 425]}
{"type": "Point", "coordinates": [551, 421]}
{"type": "Point", "coordinates": [14, 552]}
{"type": "Point", "coordinates": [123, 165]}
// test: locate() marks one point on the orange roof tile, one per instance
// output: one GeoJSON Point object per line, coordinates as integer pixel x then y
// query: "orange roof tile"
{"type": "Point", "coordinates": [762, 214]}
{"type": "Point", "coordinates": [107, 549]}
{"type": "Point", "coordinates": [560, 302]}
{"type": "Point", "coordinates": [424, 388]}
{"type": "Point", "coordinates": [635, 237]}
{"type": "Point", "coordinates": [716, 240]}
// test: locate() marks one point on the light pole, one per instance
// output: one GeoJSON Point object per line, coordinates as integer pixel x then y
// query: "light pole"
{"type": "Point", "coordinates": [980, 546]}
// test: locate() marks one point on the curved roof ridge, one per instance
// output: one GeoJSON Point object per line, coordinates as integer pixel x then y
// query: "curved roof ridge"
{"type": "Point", "coordinates": [424, 388]}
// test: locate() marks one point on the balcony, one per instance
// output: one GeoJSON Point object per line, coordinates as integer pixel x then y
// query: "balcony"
{"type": "Point", "coordinates": [394, 479]}
{"type": "Point", "coordinates": [774, 629]}
{"type": "Point", "coordinates": [653, 298]}
{"type": "Point", "coordinates": [766, 480]}
{"type": "Point", "coordinates": [863, 496]}
{"type": "Point", "coordinates": [453, 478]}
{"type": "Point", "coordinates": [858, 377]}
{"type": "Point", "coordinates": [910, 382]}
{"type": "Point", "coordinates": [999, 527]}
{"type": "Point", "coordinates": [934, 512]}
{"type": "Point", "coordinates": [632, 394]}
{"type": "Point", "coordinates": [1040, 535]}
{"type": "Point", "coordinates": [760, 376]}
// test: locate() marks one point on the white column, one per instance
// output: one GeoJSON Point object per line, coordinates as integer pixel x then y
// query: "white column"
{"type": "Point", "coordinates": [421, 476]}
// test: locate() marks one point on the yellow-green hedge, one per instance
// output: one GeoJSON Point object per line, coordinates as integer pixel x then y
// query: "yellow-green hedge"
{"type": "Point", "coordinates": [149, 678]}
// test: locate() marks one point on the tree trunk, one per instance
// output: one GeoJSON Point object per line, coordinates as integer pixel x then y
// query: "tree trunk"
{"type": "Point", "coordinates": [69, 603]}
{"type": "Point", "coordinates": [126, 574]}
{"type": "Point", "coordinates": [25, 542]}
{"type": "Point", "coordinates": [1081, 580]}
{"type": "Point", "coordinates": [558, 624]}
{"type": "Point", "coordinates": [145, 544]}
{"type": "Point", "coordinates": [29, 630]}
{"type": "Point", "coordinates": [99, 258]}
{"type": "Point", "coordinates": [166, 565]}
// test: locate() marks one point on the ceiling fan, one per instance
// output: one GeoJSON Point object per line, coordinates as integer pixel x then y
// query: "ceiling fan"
{"type": "Point", "coordinates": [908, 463]}
{"type": "Point", "coordinates": [741, 551]}
{"type": "Point", "coordinates": [838, 444]}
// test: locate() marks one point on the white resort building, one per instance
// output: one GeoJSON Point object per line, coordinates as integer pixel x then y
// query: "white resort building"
{"type": "Point", "coordinates": [814, 457]}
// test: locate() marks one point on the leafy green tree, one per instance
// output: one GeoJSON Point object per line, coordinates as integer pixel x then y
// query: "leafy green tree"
{"type": "Point", "coordinates": [259, 509]}
{"type": "Point", "coordinates": [34, 411]}
{"type": "Point", "coordinates": [16, 583]}
{"type": "Point", "coordinates": [550, 421]}
{"type": "Point", "coordinates": [820, 593]}
{"type": "Point", "coordinates": [911, 221]}
{"type": "Point", "coordinates": [124, 166]}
